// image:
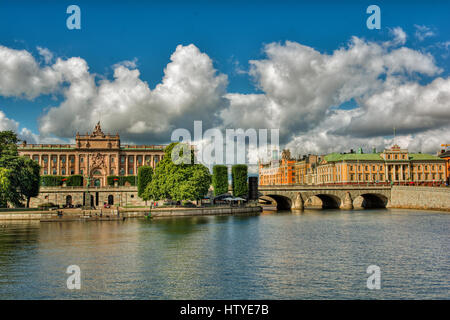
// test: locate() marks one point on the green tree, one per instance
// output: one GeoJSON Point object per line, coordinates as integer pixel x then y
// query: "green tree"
{"type": "Point", "coordinates": [8, 143]}
{"type": "Point", "coordinates": [181, 181]}
{"type": "Point", "coordinates": [220, 179]}
{"type": "Point", "coordinates": [239, 180]}
{"type": "Point", "coordinates": [29, 179]}
{"type": "Point", "coordinates": [144, 177]}
{"type": "Point", "coordinates": [4, 186]}
{"type": "Point", "coordinates": [23, 173]}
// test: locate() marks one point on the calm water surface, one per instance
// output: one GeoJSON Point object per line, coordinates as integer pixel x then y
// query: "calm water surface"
{"type": "Point", "coordinates": [309, 255]}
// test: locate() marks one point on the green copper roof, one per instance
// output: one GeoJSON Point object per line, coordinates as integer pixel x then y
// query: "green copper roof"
{"type": "Point", "coordinates": [45, 148]}
{"type": "Point", "coordinates": [423, 156]}
{"type": "Point", "coordinates": [334, 157]}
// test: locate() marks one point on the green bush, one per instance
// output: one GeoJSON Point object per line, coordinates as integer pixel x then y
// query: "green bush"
{"type": "Point", "coordinates": [51, 181]}
{"type": "Point", "coordinates": [239, 180]}
{"type": "Point", "coordinates": [121, 180]}
{"type": "Point", "coordinates": [220, 179]}
{"type": "Point", "coordinates": [56, 181]}
{"type": "Point", "coordinates": [75, 181]}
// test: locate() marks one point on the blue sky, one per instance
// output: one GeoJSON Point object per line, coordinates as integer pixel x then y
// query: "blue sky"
{"type": "Point", "coordinates": [231, 33]}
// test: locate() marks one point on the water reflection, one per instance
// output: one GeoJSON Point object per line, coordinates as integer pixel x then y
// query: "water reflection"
{"type": "Point", "coordinates": [277, 255]}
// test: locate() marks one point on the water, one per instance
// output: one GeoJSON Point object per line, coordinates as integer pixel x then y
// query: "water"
{"type": "Point", "coordinates": [312, 255]}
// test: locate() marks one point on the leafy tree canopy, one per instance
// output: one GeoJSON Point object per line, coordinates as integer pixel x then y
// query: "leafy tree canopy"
{"type": "Point", "coordinates": [181, 181]}
{"type": "Point", "coordinates": [23, 173]}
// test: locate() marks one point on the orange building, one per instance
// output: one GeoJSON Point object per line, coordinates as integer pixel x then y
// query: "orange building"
{"type": "Point", "coordinates": [288, 170]}
{"type": "Point", "coordinates": [446, 156]}
{"type": "Point", "coordinates": [392, 166]}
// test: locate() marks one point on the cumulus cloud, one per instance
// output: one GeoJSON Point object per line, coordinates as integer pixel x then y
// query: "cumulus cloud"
{"type": "Point", "coordinates": [190, 90]}
{"type": "Point", "coordinates": [7, 124]}
{"type": "Point", "coordinates": [300, 84]}
{"type": "Point", "coordinates": [302, 93]}
{"type": "Point", "coordinates": [21, 75]}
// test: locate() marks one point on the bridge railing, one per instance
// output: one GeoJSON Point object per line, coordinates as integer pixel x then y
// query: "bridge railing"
{"type": "Point", "coordinates": [360, 184]}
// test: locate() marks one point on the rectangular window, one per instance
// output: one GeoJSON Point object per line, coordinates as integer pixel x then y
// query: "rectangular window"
{"type": "Point", "coordinates": [130, 170]}
{"type": "Point", "coordinates": [112, 159]}
{"type": "Point", "coordinates": [73, 172]}
{"type": "Point", "coordinates": [63, 172]}
{"type": "Point", "coordinates": [122, 159]}
{"type": "Point", "coordinates": [72, 159]}
{"type": "Point", "coordinates": [63, 159]}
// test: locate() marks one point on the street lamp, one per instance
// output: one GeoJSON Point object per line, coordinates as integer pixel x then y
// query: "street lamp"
{"type": "Point", "coordinates": [88, 181]}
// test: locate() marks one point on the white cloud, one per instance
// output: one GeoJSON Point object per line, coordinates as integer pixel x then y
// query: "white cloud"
{"type": "Point", "coordinates": [6, 123]}
{"type": "Point", "coordinates": [46, 54]}
{"type": "Point", "coordinates": [399, 35]}
{"type": "Point", "coordinates": [300, 84]}
{"type": "Point", "coordinates": [301, 91]}
{"type": "Point", "coordinates": [190, 90]}
{"type": "Point", "coordinates": [21, 75]}
{"type": "Point", "coordinates": [423, 32]}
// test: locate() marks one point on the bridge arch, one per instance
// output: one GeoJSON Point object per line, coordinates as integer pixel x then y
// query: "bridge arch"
{"type": "Point", "coordinates": [328, 201]}
{"type": "Point", "coordinates": [370, 200]}
{"type": "Point", "coordinates": [282, 202]}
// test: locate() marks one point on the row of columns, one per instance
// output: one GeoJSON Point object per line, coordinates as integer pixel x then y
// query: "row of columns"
{"type": "Point", "coordinates": [135, 162]}
{"type": "Point", "coordinates": [48, 165]}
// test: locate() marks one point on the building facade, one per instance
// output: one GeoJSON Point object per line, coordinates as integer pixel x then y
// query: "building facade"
{"type": "Point", "coordinates": [392, 166]}
{"type": "Point", "coordinates": [95, 156]}
{"type": "Point", "coordinates": [445, 154]}
{"type": "Point", "coordinates": [288, 170]}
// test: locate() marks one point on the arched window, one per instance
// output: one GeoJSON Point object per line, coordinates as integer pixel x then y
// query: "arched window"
{"type": "Point", "coordinates": [97, 173]}
{"type": "Point", "coordinates": [110, 199]}
{"type": "Point", "coordinates": [68, 200]}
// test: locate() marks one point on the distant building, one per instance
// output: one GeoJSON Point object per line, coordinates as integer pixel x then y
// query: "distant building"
{"type": "Point", "coordinates": [445, 154]}
{"type": "Point", "coordinates": [392, 166]}
{"type": "Point", "coordinates": [288, 170]}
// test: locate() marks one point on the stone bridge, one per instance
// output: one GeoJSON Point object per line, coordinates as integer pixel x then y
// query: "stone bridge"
{"type": "Point", "coordinates": [344, 197]}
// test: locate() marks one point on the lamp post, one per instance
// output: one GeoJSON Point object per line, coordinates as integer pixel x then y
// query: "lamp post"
{"type": "Point", "coordinates": [88, 181]}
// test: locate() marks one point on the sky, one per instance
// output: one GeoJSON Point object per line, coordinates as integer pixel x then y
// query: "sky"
{"type": "Point", "coordinates": [311, 69]}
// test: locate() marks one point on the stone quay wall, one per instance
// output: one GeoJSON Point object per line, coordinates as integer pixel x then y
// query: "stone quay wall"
{"type": "Point", "coordinates": [177, 212]}
{"type": "Point", "coordinates": [123, 196]}
{"type": "Point", "coordinates": [428, 198]}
